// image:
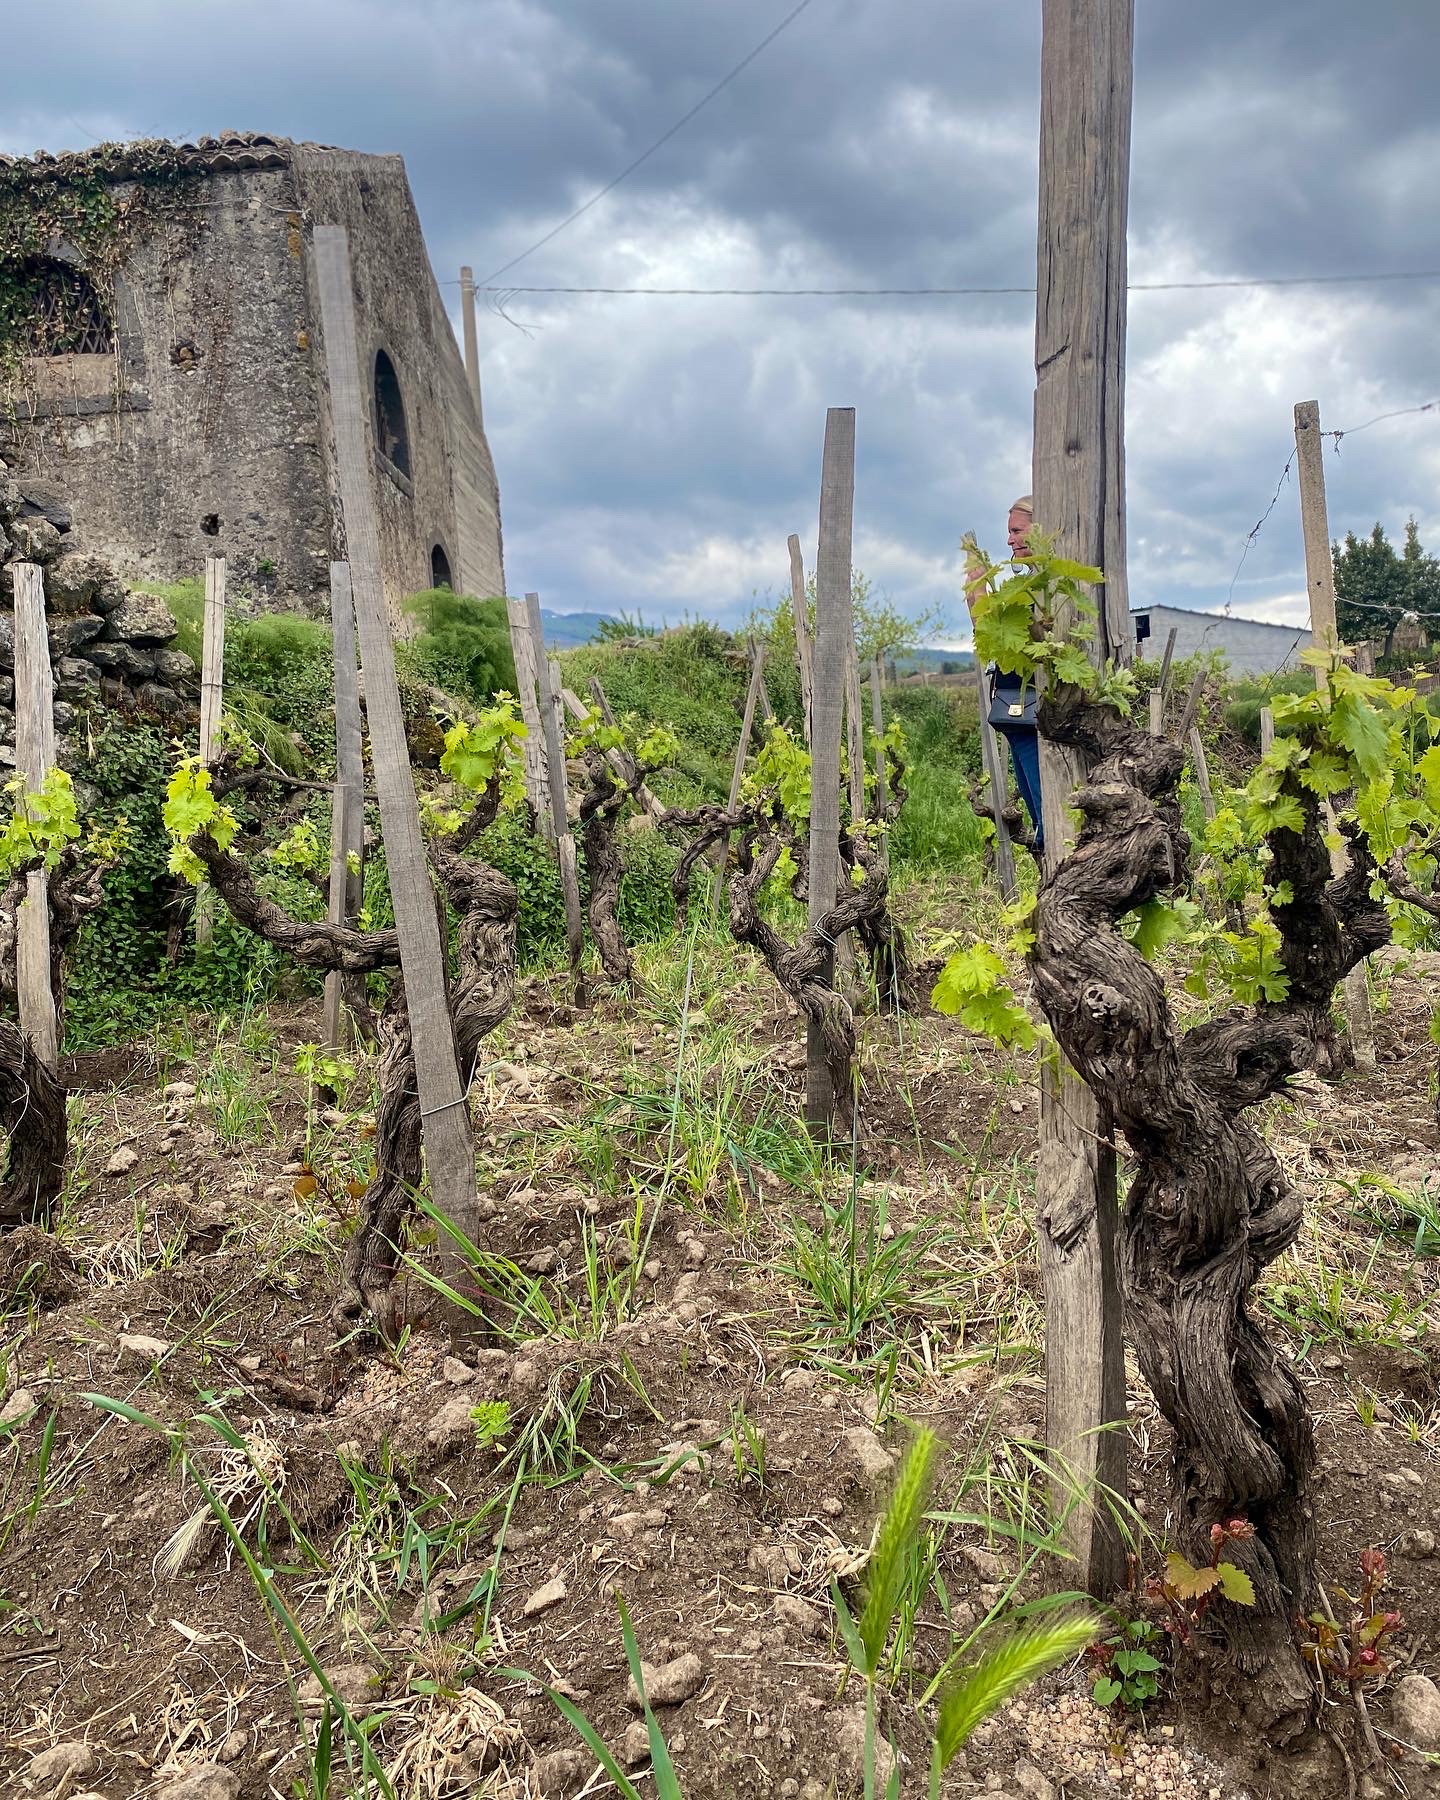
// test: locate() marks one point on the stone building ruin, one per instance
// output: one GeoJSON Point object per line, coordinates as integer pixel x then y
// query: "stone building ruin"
{"type": "Point", "coordinates": [162, 367]}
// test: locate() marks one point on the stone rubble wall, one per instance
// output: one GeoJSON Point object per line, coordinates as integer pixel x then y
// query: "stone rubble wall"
{"type": "Point", "coordinates": [108, 645]}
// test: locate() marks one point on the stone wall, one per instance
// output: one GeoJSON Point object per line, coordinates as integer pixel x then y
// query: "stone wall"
{"type": "Point", "coordinates": [207, 431]}
{"type": "Point", "coordinates": [107, 643]}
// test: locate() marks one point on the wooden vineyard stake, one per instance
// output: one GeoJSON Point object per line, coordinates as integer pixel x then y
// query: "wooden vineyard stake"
{"type": "Point", "coordinates": [877, 726]}
{"type": "Point", "coordinates": [533, 747]}
{"type": "Point", "coordinates": [1164, 682]}
{"type": "Point", "coordinates": [578, 710]}
{"type": "Point", "coordinates": [1157, 712]}
{"type": "Point", "coordinates": [1202, 773]}
{"type": "Point", "coordinates": [212, 704]}
{"type": "Point", "coordinates": [34, 759]}
{"type": "Point", "coordinates": [1320, 580]}
{"type": "Point", "coordinates": [804, 647]}
{"type": "Point", "coordinates": [553, 721]}
{"type": "Point", "coordinates": [742, 750]}
{"type": "Point", "coordinates": [833, 628]}
{"type": "Point", "coordinates": [1191, 707]}
{"type": "Point", "coordinates": [347, 816]}
{"type": "Point", "coordinates": [1086, 78]}
{"type": "Point", "coordinates": [449, 1153]}
{"type": "Point", "coordinates": [992, 757]}
{"type": "Point", "coordinates": [1267, 730]}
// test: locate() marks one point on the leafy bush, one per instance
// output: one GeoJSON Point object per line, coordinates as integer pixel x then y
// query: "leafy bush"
{"type": "Point", "coordinates": [647, 909]}
{"type": "Point", "coordinates": [121, 978]}
{"type": "Point", "coordinates": [692, 680]}
{"type": "Point", "coordinates": [463, 645]}
{"type": "Point", "coordinates": [1249, 698]}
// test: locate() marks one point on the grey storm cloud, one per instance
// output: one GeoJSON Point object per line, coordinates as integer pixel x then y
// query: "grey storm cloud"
{"type": "Point", "coordinates": [654, 453]}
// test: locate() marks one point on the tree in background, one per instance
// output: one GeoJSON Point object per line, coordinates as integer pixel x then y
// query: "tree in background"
{"type": "Point", "coordinates": [1376, 590]}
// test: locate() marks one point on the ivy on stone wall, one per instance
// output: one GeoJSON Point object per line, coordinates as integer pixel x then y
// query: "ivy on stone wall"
{"type": "Point", "coordinates": [98, 205]}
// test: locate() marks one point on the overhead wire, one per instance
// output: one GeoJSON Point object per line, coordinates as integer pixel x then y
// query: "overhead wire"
{"type": "Point", "coordinates": [659, 143]}
{"type": "Point", "coordinates": [1399, 412]}
{"type": "Point", "coordinates": [490, 286]}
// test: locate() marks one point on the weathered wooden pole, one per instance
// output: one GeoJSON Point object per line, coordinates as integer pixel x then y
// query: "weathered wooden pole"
{"type": "Point", "coordinates": [1267, 730]}
{"type": "Point", "coordinates": [552, 717]}
{"type": "Point", "coordinates": [804, 645]}
{"type": "Point", "coordinates": [34, 759]}
{"type": "Point", "coordinates": [347, 816]}
{"type": "Point", "coordinates": [992, 758]}
{"type": "Point", "coordinates": [212, 705]}
{"type": "Point", "coordinates": [472, 348]}
{"type": "Point", "coordinates": [1320, 581]}
{"type": "Point", "coordinates": [1079, 486]}
{"type": "Point", "coordinates": [833, 629]}
{"type": "Point", "coordinates": [877, 726]}
{"type": "Point", "coordinates": [449, 1153]}
{"type": "Point", "coordinates": [742, 750]}
{"type": "Point", "coordinates": [533, 747]}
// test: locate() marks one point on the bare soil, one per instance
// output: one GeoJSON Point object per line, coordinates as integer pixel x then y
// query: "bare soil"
{"type": "Point", "coordinates": [404, 1530]}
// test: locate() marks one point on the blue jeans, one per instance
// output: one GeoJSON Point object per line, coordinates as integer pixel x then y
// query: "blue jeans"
{"type": "Point", "coordinates": [1025, 760]}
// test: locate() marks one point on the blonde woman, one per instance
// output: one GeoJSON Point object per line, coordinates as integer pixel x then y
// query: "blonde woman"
{"type": "Point", "coordinates": [1012, 703]}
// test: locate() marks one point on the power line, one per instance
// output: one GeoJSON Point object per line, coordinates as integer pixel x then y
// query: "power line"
{"type": "Point", "coordinates": [645, 155]}
{"type": "Point", "coordinates": [490, 286]}
{"type": "Point", "coordinates": [1400, 412]}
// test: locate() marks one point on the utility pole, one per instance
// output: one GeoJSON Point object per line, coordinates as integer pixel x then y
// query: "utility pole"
{"type": "Point", "coordinates": [472, 348]}
{"type": "Point", "coordinates": [1086, 76]}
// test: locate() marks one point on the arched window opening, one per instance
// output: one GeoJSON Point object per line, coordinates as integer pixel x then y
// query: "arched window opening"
{"type": "Point", "coordinates": [440, 568]}
{"type": "Point", "coordinates": [391, 434]}
{"type": "Point", "coordinates": [64, 315]}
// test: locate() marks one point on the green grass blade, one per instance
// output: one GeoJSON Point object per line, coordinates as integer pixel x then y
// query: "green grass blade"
{"type": "Point", "coordinates": [589, 1736]}
{"type": "Point", "coordinates": [666, 1784]}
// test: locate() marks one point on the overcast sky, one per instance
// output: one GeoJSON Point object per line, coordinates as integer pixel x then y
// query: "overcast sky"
{"type": "Point", "coordinates": [654, 453]}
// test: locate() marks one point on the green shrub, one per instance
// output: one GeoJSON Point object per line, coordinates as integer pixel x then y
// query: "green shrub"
{"type": "Point", "coordinates": [462, 646]}
{"type": "Point", "coordinates": [692, 680]}
{"type": "Point", "coordinates": [647, 909]}
{"type": "Point", "coordinates": [121, 978]}
{"type": "Point", "coordinates": [1249, 698]}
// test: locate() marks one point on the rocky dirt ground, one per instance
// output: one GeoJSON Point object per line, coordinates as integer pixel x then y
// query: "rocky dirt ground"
{"type": "Point", "coordinates": [712, 1350]}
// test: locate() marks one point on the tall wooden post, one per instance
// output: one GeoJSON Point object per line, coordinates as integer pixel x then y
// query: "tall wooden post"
{"type": "Point", "coordinates": [804, 647]}
{"type": "Point", "coordinates": [449, 1153]}
{"type": "Point", "coordinates": [992, 757]}
{"type": "Point", "coordinates": [347, 817]}
{"type": "Point", "coordinates": [552, 718]}
{"type": "Point", "coordinates": [1320, 580]}
{"type": "Point", "coordinates": [212, 703]}
{"type": "Point", "coordinates": [737, 773]}
{"type": "Point", "coordinates": [833, 629]}
{"type": "Point", "coordinates": [1079, 487]}
{"type": "Point", "coordinates": [472, 348]}
{"type": "Point", "coordinates": [34, 759]}
{"type": "Point", "coordinates": [533, 747]}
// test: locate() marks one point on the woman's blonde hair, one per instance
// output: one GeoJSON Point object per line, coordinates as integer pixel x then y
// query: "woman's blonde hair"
{"type": "Point", "coordinates": [1025, 504]}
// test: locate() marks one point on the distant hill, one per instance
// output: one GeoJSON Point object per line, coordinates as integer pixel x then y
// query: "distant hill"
{"type": "Point", "coordinates": [563, 631]}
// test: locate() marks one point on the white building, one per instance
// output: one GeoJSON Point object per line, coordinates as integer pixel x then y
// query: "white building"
{"type": "Point", "coordinates": [1251, 646]}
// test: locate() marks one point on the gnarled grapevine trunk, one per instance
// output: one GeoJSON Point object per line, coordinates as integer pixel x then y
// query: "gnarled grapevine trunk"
{"type": "Point", "coordinates": [800, 967]}
{"type": "Point", "coordinates": [1209, 1205]}
{"type": "Point", "coordinates": [32, 1097]}
{"type": "Point", "coordinates": [481, 994]}
{"type": "Point", "coordinates": [600, 808]}
{"type": "Point", "coordinates": [32, 1116]}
